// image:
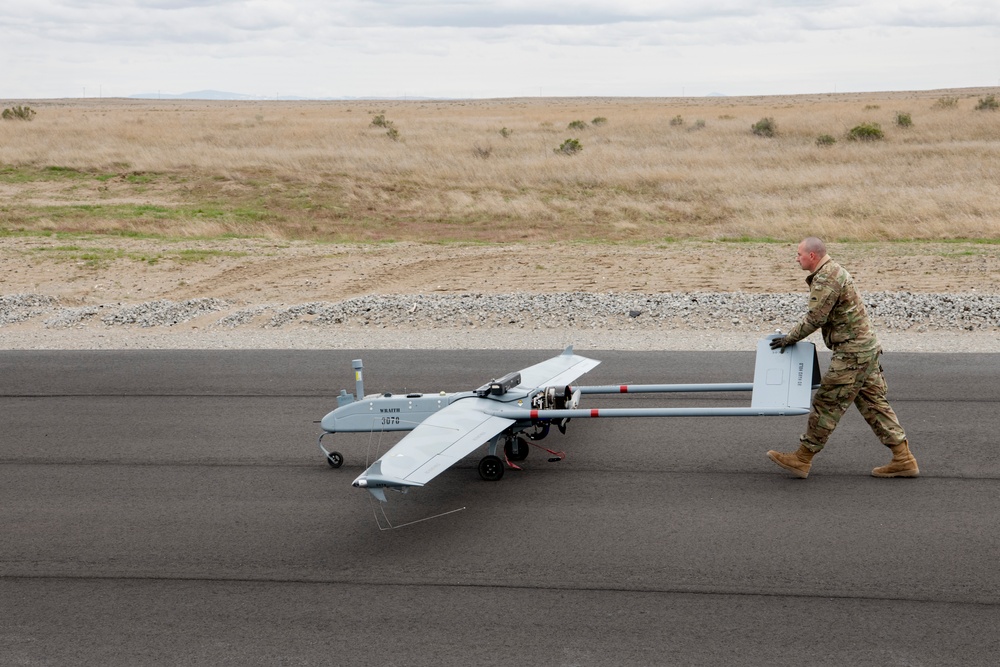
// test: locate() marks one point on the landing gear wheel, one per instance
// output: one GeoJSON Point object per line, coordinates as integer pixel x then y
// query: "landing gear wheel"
{"type": "Point", "coordinates": [516, 449]}
{"type": "Point", "coordinates": [541, 430]}
{"type": "Point", "coordinates": [335, 459]}
{"type": "Point", "coordinates": [491, 468]}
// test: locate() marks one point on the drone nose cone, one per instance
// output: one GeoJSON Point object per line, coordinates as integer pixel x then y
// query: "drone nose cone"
{"type": "Point", "coordinates": [360, 483]}
{"type": "Point", "coordinates": [329, 423]}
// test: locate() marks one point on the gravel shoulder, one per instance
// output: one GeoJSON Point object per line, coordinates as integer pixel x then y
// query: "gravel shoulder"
{"type": "Point", "coordinates": [98, 293]}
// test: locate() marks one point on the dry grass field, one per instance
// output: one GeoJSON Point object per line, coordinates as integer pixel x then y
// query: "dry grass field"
{"type": "Point", "coordinates": [488, 171]}
{"type": "Point", "coordinates": [111, 202]}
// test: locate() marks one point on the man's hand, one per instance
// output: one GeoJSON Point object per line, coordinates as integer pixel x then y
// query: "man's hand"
{"type": "Point", "coordinates": [780, 342]}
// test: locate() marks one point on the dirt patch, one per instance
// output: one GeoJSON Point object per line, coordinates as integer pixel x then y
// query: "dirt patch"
{"type": "Point", "coordinates": [96, 270]}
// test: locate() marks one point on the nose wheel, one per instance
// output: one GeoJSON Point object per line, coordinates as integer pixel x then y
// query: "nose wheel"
{"type": "Point", "coordinates": [334, 459]}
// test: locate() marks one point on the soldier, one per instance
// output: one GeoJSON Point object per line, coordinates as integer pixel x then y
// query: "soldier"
{"type": "Point", "coordinates": [855, 374]}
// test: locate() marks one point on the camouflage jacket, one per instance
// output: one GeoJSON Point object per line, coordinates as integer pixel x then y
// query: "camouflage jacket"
{"type": "Point", "coordinates": [836, 307]}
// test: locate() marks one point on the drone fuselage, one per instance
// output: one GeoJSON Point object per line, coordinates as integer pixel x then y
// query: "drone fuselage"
{"type": "Point", "coordinates": [402, 412]}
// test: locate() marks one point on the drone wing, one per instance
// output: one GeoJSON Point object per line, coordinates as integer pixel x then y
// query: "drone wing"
{"type": "Point", "coordinates": [556, 371]}
{"type": "Point", "coordinates": [435, 445]}
{"type": "Point", "coordinates": [455, 431]}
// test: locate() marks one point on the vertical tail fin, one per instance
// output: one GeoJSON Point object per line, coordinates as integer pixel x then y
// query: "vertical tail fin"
{"type": "Point", "coordinates": [784, 380]}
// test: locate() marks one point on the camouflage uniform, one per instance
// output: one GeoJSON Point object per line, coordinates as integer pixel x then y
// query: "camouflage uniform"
{"type": "Point", "coordinates": [855, 374]}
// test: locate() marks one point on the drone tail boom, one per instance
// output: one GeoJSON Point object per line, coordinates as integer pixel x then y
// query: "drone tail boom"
{"type": "Point", "coordinates": [782, 386]}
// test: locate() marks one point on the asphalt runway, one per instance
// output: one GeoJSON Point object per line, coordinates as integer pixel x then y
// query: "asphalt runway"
{"type": "Point", "coordinates": [172, 507]}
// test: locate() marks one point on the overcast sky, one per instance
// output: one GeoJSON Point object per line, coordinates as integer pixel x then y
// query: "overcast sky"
{"type": "Point", "coordinates": [495, 48]}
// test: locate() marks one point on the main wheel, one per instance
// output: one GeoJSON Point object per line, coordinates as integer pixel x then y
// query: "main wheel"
{"type": "Point", "coordinates": [491, 468]}
{"type": "Point", "coordinates": [541, 430]}
{"type": "Point", "coordinates": [335, 459]}
{"type": "Point", "coordinates": [516, 449]}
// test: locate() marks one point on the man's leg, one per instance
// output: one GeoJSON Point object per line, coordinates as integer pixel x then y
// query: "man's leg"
{"type": "Point", "coordinates": [838, 388]}
{"type": "Point", "coordinates": [829, 404]}
{"type": "Point", "coordinates": [874, 407]}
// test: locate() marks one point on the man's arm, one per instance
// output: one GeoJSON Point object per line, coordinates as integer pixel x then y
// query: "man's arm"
{"type": "Point", "coordinates": [823, 295]}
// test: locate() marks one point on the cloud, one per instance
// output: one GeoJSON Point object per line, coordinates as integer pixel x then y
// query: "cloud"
{"type": "Point", "coordinates": [144, 22]}
{"type": "Point", "coordinates": [213, 22]}
{"type": "Point", "coordinates": [595, 47]}
{"type": "Point", "coordinates": [804, 14]}
{"type": "Point", "coordinates": [491, 15]}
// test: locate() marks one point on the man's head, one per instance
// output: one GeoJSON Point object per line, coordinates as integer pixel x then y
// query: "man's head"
{"type": "Point", "coordinates": [811, 252]}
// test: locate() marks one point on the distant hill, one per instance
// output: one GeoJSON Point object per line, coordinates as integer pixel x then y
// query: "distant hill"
{"type": "Point", "coordinates": [204, 95]}
{"type": "Point", "coordinates": [223, 95]}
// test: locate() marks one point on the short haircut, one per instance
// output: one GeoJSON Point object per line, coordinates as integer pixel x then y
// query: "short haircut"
{"type": "Point", "coordinates": [814, 244]}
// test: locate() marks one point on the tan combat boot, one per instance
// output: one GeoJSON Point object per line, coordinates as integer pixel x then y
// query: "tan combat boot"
{"type": "Point", "coordinates": [902, 464]}
{"type": "Point", "coordinates": [797, 462]}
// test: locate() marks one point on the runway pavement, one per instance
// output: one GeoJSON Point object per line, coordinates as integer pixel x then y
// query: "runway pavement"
{"type": "Point", "coordinates": [171, 507]}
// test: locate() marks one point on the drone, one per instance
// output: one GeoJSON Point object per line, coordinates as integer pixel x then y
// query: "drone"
{"type": "Point", "coordinates": [509, 414]}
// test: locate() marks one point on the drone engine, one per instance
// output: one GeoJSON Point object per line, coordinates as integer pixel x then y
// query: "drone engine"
{"type": "Point", "coordinates": [555, 398]}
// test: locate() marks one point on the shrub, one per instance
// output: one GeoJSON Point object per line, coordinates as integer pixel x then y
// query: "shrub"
{"type": "Point", "coordinates": [600, 120]}
{"type": "Point", "coordinates": [698, 124]}
{"type": "Point", "coordinates": [988, 103]}
{"type": "Point", "coordinates": [677, 120]}
{"type": "Point", "coordinates": [825, 140]}
{"type": "Point", "coordinates": [765, 127]}
{"type": "Point", "coordinates": [903, 119]}
{"type": "Point", "coordinates": [390, 129]}
{"type": "Point", "coordinates": [946, 103]}
{"type": "Point", "coordinates": [505, 132]}
{"type": "Point", "coordinates": [569, 147]}
{"type": "Point", "coordinates": [577, 125]}
{"type": "Point", "coordinates": [872, 107]}
{"type": "Point", "coordinates": [866, 132]}
{"type": "Point", "coordinates": [482, 152]}
{"type": "Point", "coordinates": [18, 113]}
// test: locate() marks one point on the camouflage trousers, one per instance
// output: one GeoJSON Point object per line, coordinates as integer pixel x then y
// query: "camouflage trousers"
{"type": "Point", "coordinates": [852, 378]}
